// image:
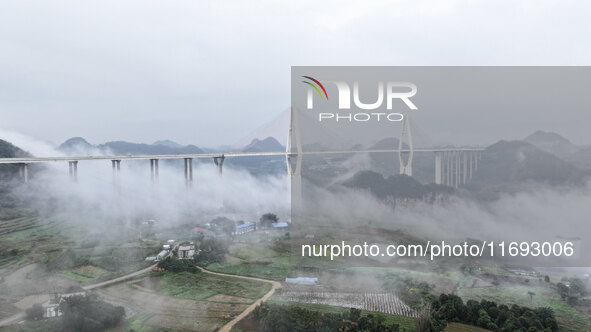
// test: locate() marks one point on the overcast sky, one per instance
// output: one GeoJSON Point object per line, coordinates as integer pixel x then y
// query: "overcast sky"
{"type": "Point", "coordinates": [211, 72]}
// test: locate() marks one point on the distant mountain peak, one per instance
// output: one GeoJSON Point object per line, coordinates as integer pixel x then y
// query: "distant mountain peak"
{"type": "Point", "coordinates": [76, 140]}
{"type": "Point", "coordinates": [168, 143]}
{"type": "Point", "coordinates": [74, 143]}
{"type": "Point", "coordinates": [551, 142]}
{"type": "Point", "coordinates": [269, 144]}
{"type": "Point", "coordinates": [546, 137]}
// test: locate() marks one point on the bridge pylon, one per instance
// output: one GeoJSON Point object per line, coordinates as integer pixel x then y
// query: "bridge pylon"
{"type": "Point", "coordinates": [405, 166]}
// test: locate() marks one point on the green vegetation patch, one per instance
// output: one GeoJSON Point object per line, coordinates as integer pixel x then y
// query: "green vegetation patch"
{"type": "Point", "coordinates": [200, 286]}
{"type": "Point", "coordinates": [403, 321]}
{"type": "Point", "coordinates": [252, 259]}
{"type": "Point", "coordinates": [457, 327]}
{"type": "Point", "coordinates": [299, 317]}
{"type": "Point", "coordinates": [569, 319]}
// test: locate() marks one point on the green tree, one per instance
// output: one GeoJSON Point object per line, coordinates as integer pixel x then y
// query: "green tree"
{"type": "Point", "coordinates": [88, 313]}
{"type": "Point", "coordinates": [267, 220]}
{"type": "Point", "coordinates": [35, 312]}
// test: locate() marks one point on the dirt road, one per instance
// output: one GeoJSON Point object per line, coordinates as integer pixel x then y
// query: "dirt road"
{"type": "Point", "coordinates": [275, 284]}
{"type": "Point", "coordinates": [226, 328]}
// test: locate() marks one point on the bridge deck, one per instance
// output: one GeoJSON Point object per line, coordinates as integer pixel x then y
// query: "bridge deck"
{"type": "Point", "coordinates": [212, 155]}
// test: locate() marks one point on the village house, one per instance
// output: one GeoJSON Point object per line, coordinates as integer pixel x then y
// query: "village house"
{"type": "Point", "coordinates": [280, 225]}
{"type": "Point", "coordinates": [245, 228]}
{"type": "Point", "coordinates": [186, 250]}
{"type": "Point", "coordinates": [51, 308]}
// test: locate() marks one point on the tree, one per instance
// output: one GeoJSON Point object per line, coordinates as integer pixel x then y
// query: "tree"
{"type": "Point", "coordinates": [578, 286]}
{"type": "Point", "coordinates": [423, 322]}
{"type": "Point", "coordinates": [211, 251]}
{"type": "Point", "coordinates": [268, 219]}
{"type": "Point", "coordinates": [546, 278]}
{"type": "Point", "coordinates": [35, 312]}
{"type": "Point", "coordinates": [485, 321]}
{"type": "Point", "coordinates": [563, 290]}
{"type": "Point", "coordinates": [173, 264]}
{"type": "Point", "coordinates": [88, 313]}
{"type": "Point", "coordinates": [354, 314]}
{"type": "Point", "coordinates": [223, 225]}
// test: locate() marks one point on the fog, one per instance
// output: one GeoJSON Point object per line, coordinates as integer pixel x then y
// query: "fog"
{"type": "Point", "coordinates": [237, 194]}
{"type": "Point", "coordinates": [539, 214]}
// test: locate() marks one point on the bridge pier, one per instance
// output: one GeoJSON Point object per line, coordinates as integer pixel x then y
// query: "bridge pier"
{"type": "Point", "coordinates": [438, 168]}
{"type": "Point", "coordinates": [73, 170]}
{"type": "Point", "coordinates": [116, 165]}
{"type": "Point", "coordinates": [189, 171]}
{"type": "Point", "coordinates": [154, 170]}
{"type": "Point", "coordinates": [455, 168]}
{"type": "Point", "coordinates": [464, 168]}
{"type": "Point", "coordinates": [219, 162]}
{"type": "Point", "coordinates": [24, 171]}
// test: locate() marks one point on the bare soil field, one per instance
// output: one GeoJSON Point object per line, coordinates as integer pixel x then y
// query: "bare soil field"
{"type": "Point", "coordinates": [170, 312]}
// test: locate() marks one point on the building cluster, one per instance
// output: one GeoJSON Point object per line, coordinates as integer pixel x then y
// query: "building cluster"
{"type": "Point", "coordinates": [187, 249]}
{"type": "Point", "coordinates": [51, 308]}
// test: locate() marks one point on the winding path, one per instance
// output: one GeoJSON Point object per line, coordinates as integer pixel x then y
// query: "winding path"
{"type": "Point", "coordinates": [226, 328]}
{"type": "Point", "coordinates": [274, 285]}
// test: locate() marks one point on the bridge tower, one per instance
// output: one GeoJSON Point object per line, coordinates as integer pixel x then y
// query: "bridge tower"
{"type": "Point", "coordinates": [293, 160]}
{"type": "Point", "coordinates": [405, 166]}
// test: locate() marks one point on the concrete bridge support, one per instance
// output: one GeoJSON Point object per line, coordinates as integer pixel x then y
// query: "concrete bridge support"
{"type": "Point", "coordinates": [154, 170]}
{"type": "Point", "coordinates": [455, 168]}
{"type": "Point", "coordinates": [219, 162]}
{"type": "Point", "coordinates": [438, 167]}
{"type": "Point", "coordinates": [189, 171]}
{"type": "Point", "coordinates": [116, 165]}
{"type": "Point", "coordinates": [73, 170]}
{"type": "Point", "coordinates": [24, 171]}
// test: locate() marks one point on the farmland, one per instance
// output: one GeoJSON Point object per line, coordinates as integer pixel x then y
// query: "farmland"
{"type": "Point", "coordinates": [184, 301]}
{"type": "Point", "coordinates": [378, 302]}
{"type": "Point", "coordinates": [270, 260]}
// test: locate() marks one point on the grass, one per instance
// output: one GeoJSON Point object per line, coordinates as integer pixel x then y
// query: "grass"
{"type": "Point", "coordinates": [272, 272]}
{"type": "Point", "coordinates": [73, 275]}
{"type": "Point", "coordinates": [569, 319]}
{"type": "Point", "coordinates": [90, 271]}
{"type": "Point", "coordinates": [272, 261]}
{"type": "Point", "coordinates": [200, 286]}
{"type": "Point", "coordinates": [46, 325]}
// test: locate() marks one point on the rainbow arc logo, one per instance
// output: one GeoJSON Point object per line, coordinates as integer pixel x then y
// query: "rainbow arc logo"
{"type": "Point", "coordinates": [316, 85]}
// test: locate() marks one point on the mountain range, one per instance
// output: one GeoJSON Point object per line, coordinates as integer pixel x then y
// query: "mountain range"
{"type": "Point", "coordinates": [542, 157]}
{"type": "Point", "coordinates": [79, 146]}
